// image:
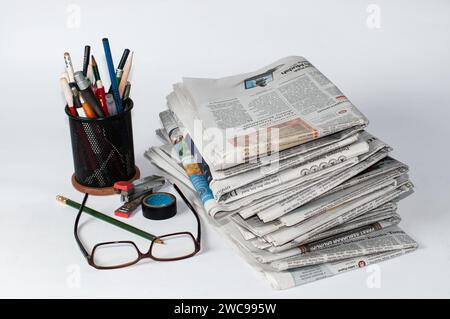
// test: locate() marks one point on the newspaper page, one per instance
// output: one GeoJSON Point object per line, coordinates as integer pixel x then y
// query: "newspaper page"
{"type": "Point", "coordinates": [301, 174]}
{"type": "Point", "coordinates": [271, 163]}
{"type": "Point", "coordinates": [308, 171]}
{"type": "Point", "coordinates": [323, 204]}
{"type": "Point", "coordinates": [363, 220]}
{"type": "Point", "coordinates": [300, 183]}
{"type": "Point", "coordinates": [290, 95]}
{"type": "Point", "coordinates": [326, 144]}
{"type": "Point", "coordinates": [304, 275]}
{"type": "Point", "coordinates": [387, 164]}
{"type": "Point", "coordinates": [288, 201]}
{"type": "Point", "coordinates": [383, 211]}
{"type": "Point", "coordinates": [249, 235]}
{"type": "Point", "coordinates": [318, 206]}
{"type": "Point", "coordinates": [274, 184]}
{"type": "Point", "coordinates": [169, 123]}
{"type": "Point", "coordinates": [276, 179]}
{"type": "Point", "coordinates": [288, 204]}
{"type": "Point", "coordinates": [223, 186]}
{"type": "Point", "coordinates": [288, 233]}
{"type": "Point", "coordinates": [265, 256]}
{"type": "Point", "coordinates": [316, 225]}
{"type": "Point", "coordinates": [392, 238]}
{"type": "Point", "coordinates": [220, 187]}
{"type": "Point", "coordinates": [259, 180]}
{"type": "Point", "coordinates": [383, 173]}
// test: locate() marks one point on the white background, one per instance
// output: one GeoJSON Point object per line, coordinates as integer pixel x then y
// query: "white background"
{"type": "Point", "coordinates": [398, 75]}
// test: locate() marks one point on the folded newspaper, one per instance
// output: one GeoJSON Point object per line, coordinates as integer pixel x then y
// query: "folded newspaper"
{"type": "Point", "coordinates": [280, 163]}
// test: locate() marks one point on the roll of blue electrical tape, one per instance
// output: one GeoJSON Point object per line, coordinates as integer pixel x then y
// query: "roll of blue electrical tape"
{"type": "Point", "coordinates": [159, 206]}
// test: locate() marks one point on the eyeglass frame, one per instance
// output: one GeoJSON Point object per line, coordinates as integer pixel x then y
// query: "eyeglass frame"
{"type": "Point", "coordinates": [141, 255]}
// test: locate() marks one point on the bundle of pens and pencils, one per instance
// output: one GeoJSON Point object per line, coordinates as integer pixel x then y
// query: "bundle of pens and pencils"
{"type": "Point", "coordinates": [84, 91]}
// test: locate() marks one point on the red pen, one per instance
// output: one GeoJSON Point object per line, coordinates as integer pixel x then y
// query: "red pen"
{"type": "Point", "coordinates": [68, 95]}
{"type": "Point", "coordinates": [101, 95]}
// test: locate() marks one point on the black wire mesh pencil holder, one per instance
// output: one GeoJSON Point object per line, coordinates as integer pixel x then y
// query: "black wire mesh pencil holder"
{"type": "Point", "coordinates": [103, 151]}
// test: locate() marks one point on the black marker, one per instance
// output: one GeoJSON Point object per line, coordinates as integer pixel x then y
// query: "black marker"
{"type": "Point", "coordinates": [87, 54]}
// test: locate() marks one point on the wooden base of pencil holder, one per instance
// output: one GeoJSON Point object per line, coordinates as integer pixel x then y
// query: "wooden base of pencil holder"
{"type": "Point", "coordinates": [100, 191]}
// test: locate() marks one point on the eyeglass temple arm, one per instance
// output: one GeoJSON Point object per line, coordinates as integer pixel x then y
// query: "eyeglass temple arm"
{"type": "Point", "coordinates": [192, 210]}
{"type": "Point", "coordinates": [75, 228]}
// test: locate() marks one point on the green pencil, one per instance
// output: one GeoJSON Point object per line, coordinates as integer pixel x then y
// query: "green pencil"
{"type": "Point", "coordinates": [95, 69]}
{"type": "Point", "coordinates": [108, 219]}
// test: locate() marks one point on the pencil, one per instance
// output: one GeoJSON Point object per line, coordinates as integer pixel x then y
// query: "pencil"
{"type": "Point", "coordinates": [123, 59]}
{"type": "Point", "coordinates": [126, 73]}
{"type": "Point", "coordinates": [69, 67]}
{"type": "Point", "coordinates": [95, 69]}
{"type": "Point", "coordinates": [108, 219]}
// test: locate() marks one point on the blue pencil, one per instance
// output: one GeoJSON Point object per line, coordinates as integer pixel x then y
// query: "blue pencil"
{"type": "Point", "coordinates": [112, 75]}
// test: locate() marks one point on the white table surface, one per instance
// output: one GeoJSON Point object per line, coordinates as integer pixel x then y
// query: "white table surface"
{"type": "Point", "coordinates": [398, 75]}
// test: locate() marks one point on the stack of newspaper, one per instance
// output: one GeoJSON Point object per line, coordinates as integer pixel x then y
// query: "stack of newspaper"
{"type": "Point", "coordinates": [280, 162]}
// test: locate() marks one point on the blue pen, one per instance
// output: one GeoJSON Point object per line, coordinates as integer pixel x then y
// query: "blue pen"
{"type": "Point", "coordinates": [112, 75]}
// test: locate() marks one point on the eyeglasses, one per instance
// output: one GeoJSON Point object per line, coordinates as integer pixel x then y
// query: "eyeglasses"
{"type": "Point", "coordinates": [120, 254]}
